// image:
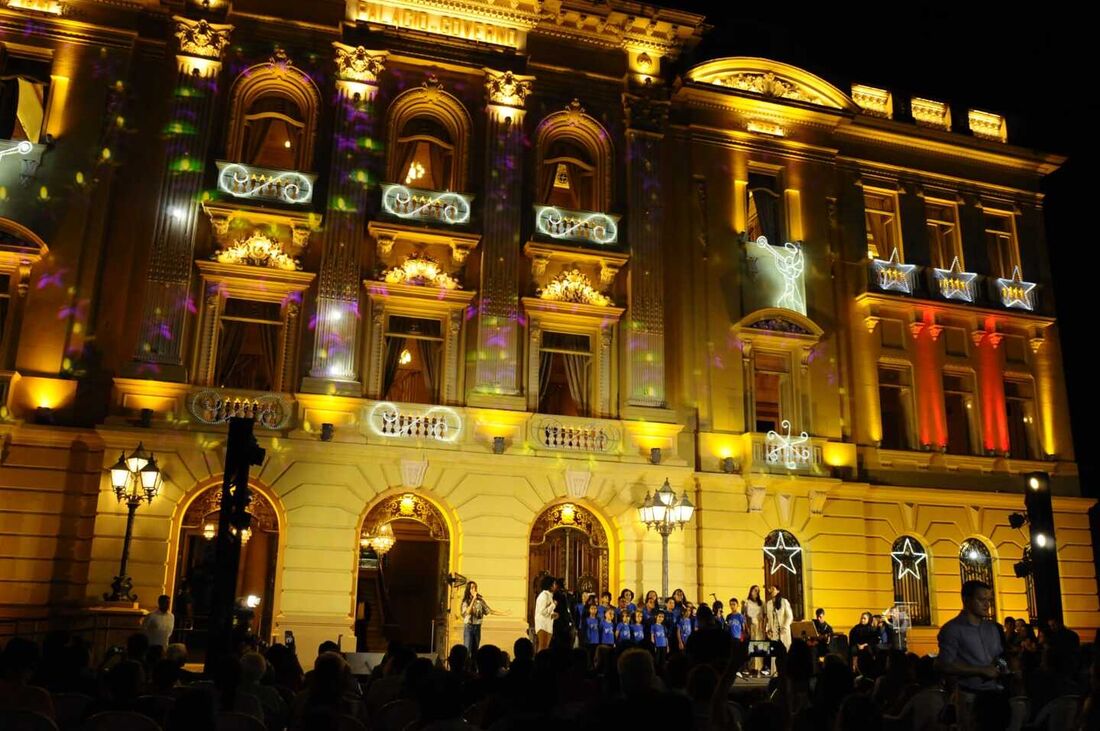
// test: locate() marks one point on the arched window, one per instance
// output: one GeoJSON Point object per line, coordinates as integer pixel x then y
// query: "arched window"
{"type": "Point", "coordinates": [783, 568]}
{"type": "Point", "coordinates": [574, 158]}
{"type": "Point", "coordinates": [976, 564]}
{"type": "Point", "coordinates": [274, 116]}
{"type": "Point", "coordinates": [425, 154]}
{"type": "Point", "coordinates": [428, 134]}
{"type": "Point", "coordinates": [909, 566]}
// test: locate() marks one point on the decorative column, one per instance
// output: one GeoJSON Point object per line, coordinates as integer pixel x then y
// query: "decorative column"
{"type": "Point", "coordinates": [336, 334]}
{"type": "Point", "coordinates": [647, 118]}
{"type": "Point", "coordinates": [159, 352]}
{"type": "Point", "coordinates": [991, 391]}
{"type": "Point", "coordinates": [498, 341]}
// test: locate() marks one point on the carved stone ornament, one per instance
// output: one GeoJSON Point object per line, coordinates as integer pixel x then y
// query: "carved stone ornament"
{"type": "Point", "coordinates": [768, 84]}
{"type": "Point", "coordinates": [507, 88]}
{"type": "Point", "coordinates": [408, 506]}
{"type": "Point", "coordinates": [359, 64]}
{"type": "Point", "coordinates": [200, 38]}
{"type": "Point", "coordinates": [645, 112]}
{"type": "Point", "coordinates": [412, 473]}
{"type": "Point", "coordinates": [576, 483]}
{"type": "Point", "coordinates": [205, 508]}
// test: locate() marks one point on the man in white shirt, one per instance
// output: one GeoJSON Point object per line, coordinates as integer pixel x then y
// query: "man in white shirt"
{"type": "Point", "coordinates": [158, 625]}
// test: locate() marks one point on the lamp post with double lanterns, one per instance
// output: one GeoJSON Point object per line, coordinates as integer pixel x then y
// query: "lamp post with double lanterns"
{"type": "Point", "coordinates": [664, 512]}
{"type": "Point", "coordinates": [135, 479]}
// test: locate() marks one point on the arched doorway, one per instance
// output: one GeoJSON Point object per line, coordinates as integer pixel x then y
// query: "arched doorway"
{"type": "Point", "coordinates": [195, 563]}
{"type": "Point", "coordinates": [783, 569]}
{"type": "Point", "coordinates": [568, 541]}
{"type": "Point", "coordinates": [401, 592]}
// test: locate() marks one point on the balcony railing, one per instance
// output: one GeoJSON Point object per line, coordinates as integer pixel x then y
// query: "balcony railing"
{"type": "Point", "coordinates": [263, 184]}
{"type": "Point", "coordinates": [787, 452]}
{"type": "Point", "coordinates": [431, 206]}
{"type": "Point", "coordinates": [219, 405]}
{"type": "Point", "coordinates": [414, 421]}
{"type": "Point", "coordinates": [585, 227]}
{"type": "Point", "coordinates": [570, 434]}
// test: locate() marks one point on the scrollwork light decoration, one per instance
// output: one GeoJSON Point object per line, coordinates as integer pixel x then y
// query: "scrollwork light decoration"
{"type": "Point", "coordinates": [285, 186]}
{"type": "Point", "coordinates": [790, 451]}
{"type": "Point", "coordinates": [445, 207]}
{"type": "Point", "coordinates": [439, 423]}
{"type": "Point", "coordinates": [599, 228]}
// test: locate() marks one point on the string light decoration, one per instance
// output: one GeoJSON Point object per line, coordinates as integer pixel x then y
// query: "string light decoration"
{"type": "Point", "coordinates": [441, 423]}
{"type": "Point", "coordinates": [790, 263]}
{"type": "Point", "coordinates": [781, 554]}
{"type": "Point", "coordinates": [258, 250]}
{"type": "Point", "coordinates": [893, 275]}
{"type": "Point", "coordinates": [909, 560]}
{"type": "Point", "coordinates": [954, 283]}
{"type": "Point", "coordinates": [573, 286]}
{"type": "Point", "coordinates": [1015, 292]}
{"type": "Point", "coordinates": [22, 147]}
{"type": "Point", "coordinates": [422, 271]}
{"type": "Point", "coordinates": [557, 223]}
{"type": "Point", "coordinates": [426, 205]}
{"type": "Point", "coordinates": [284, 186]}
{"type": "Point", "coordinates": [792, 451]}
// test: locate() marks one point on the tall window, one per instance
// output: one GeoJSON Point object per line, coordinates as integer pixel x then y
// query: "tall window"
{"type": "Point", "coordinates": [958, 401]}
{"type": "Point", "coordinates": [1000, 241]}
{"type": "Point", "coordinates": [568, 176]}
{"type": "Point", "coordinates": [942, 219]}
{"type": "Point", "coordinates": [273, 127]}
{"type": "Point", "coordinates": [771, 390]}
{"type": "Point", "coordinates": [763, 208]}
{"type": "Point", "coordinates": [883, 223]}
{"type": "Point", "coordinates": [565, 374]}
{"type": "Point", "coordinates": [783, 568]}
{"type": "Point", "coordinates": [249, 345]}
{"type": "Point", "coordinates": [412, 366]}
{"type": "Point", "coordinates": [1020, 410]}
{"type": "Point", "coordinates": [425, 154]}
{"type": "Point", "coordinates": [24, 86]}
{"type": "Point", "coordinates": [895, 396]}
{"type": "Point", "coordinates": [976, 564]}
{"type": "Point", "coordinates": [909, 566]}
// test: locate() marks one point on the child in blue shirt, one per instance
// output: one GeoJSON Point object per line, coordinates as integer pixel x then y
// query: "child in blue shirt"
{"type": "Point", "coordinates": [591, 627]}
{"type": "Point", "coordinates": [622, 630]}
{"type": "Point", "coordinates": [686, 625]}
{"type": "Point", "coordinates": [660, 637]}
{"type": "Point", "coordinates": [735, 621]}
{"type": "Point", "coordinates": [649, 610]}
{"type": "Point", "coordinates": [607, 628]}
{"type": "Point", "coordinates": [672, 612]}
{"type": "Point", "coordinates": [637, 627]}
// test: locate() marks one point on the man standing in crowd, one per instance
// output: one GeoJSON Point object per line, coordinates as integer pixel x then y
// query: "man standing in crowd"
{"type": "Point", "coordinates": [971, 649]}
{"type": "Point", "coordinates": [158, 625]}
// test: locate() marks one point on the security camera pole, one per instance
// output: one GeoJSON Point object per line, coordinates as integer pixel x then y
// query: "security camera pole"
{"type": "Point", "coordinates": [241, 452]}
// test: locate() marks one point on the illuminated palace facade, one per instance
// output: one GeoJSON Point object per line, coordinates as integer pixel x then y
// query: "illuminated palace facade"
{"type": "Point", "coordinates": [488, 274]}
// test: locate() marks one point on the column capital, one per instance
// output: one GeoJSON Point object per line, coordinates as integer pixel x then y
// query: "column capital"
{"type": "Point", "coordinates": [200, 44]}
{"type": "Point", "coordinates": [646, 112]}
{"type": "Point", "coordinates": [504, 88]}
{"type": "Point", "coordinates": [357, 67]}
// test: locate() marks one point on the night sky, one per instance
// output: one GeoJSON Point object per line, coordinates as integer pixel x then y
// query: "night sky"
{"type": "Point", "coordinates": [999, 58]}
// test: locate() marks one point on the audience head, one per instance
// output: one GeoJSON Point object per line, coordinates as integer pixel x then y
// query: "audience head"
{"type": "Point", "coordinates": [163, 602]}
{"type": "Point", "coordinates": [137, 646]}
{"type": "Point", "coordinates": [457, 658]}
{"type": "Point", "coordinates": [523, 650]}
{"type": "Point", "coordinates": [636, 672]}
{"type": "Point", "coordinates": [253, 668]}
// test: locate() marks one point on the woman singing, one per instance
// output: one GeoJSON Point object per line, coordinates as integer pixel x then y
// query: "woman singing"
{"type": "Point", "coordinates": [474, 609]}
{"type": "Point", "coordinates": [779, 619]}
{"type": "Point", "coordinates": [544, 612]}
{"type": "Point", "coordinates": [754, 624]}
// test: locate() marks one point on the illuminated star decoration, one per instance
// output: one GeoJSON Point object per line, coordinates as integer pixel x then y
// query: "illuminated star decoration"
{"type": "Point", "coordinates": [1016, 292]}
{"type": "Point", "coordinates": [892, 274]}
{"type": "Point", "coordinates": [955, 284]}
{"type": "Point", "coordinates": [909, 561]}
{"type": "Point", "coordinates": [782, 555]}
{"type": "Point", "coordinates": [790, 264]}
{"type": "Point", "coordinates": [792, 451]}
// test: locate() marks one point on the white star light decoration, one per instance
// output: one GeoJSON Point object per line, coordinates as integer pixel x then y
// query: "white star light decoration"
{"type": "Point", "coordinates": [782, 555]}
{"type": "Point", "coordinates": [1016, 292]}
{"type": "Point", "coordinates": [892, 274]}
{"type": "Point", "coordinates": [909, 561]}
{"type": "Point", "coordinates": [955, 284]}
{"type": "Point", "coordinates": [792, 451]}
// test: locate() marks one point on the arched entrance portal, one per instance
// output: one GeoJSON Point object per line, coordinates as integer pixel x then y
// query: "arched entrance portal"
{"type": "Point", "coordinates": [401, 593]}
{"type": "Point", "coordinates": [195, 565]}
{"type": "Point", "coordinates": [568, 541]}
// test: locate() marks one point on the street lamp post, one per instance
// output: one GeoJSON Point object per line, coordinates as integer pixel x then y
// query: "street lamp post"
{"type": "Point", "coordinates": [663, 512]}
{"type": "Point", "coordinates": [135, 479]}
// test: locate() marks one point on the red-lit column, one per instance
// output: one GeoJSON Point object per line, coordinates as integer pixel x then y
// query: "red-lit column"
{"type": "Point", "coordinates": [932, 421]}
{"type": "Point", "coordinates": [991, 391]}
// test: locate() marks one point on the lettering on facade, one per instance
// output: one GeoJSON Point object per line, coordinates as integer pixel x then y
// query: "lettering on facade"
{"type": "Point", "coordinates": [447, 25]}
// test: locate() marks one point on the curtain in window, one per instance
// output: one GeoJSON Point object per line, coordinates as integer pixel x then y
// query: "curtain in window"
{"type": "Point", "coordinates": [229, 349]}
{"type": "Point", "coordinates": [430, 351]}
{"type": "Point", "coordinates": [437, 172]}
{"type": "Point", "coordinates": [767, 214]}
{"type": "Point", "coordinates": [577, 369]}
{"type": "Point", "coordinates": [391, 362]}
{"type": "Point", "coordinates": [269, 345]}
{"type": "Point", "coordinates": [259, 130]}
{"type": "Point", "coordinates": [546, 362]}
